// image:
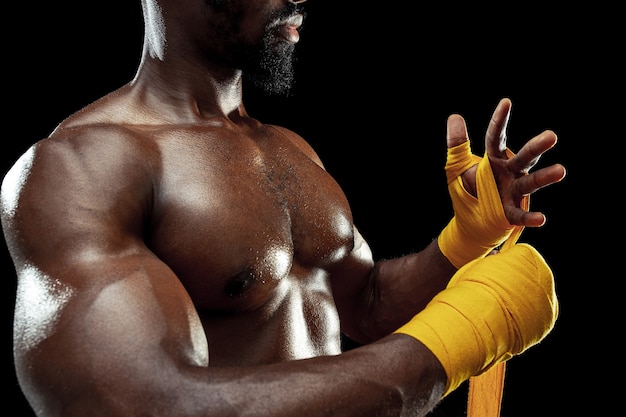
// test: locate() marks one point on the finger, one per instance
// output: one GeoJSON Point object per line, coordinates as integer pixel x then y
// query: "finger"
{"type": "Point", "coordinates": [534, 181]}
{"type": "Point", "coordinates": [527, 185]}
{"type": "Point", "coordinates": [529, 155]}
{"type": "Point", "coordinates": [495, 138]}
{"type": "Point", "coordinates": [456, 132]}
{"type": "Point", "coordinates": [519, 217]}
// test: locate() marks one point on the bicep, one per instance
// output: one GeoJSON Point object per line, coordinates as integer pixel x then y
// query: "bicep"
{"type": "Point", "coordinates": [137, 305]}
{"type": "Point", "coordinates": [93, 305]}
{"type": "Point", "coordinates": [125, 330]}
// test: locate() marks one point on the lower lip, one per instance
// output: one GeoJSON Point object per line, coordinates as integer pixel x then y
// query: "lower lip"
{"type": "Point", "coordinates": [290, 33]}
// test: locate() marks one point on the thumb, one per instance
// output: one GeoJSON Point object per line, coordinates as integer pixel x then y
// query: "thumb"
{"type": "Point", "coordinates": [456, 132]}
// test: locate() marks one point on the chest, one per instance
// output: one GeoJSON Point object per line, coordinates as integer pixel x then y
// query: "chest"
{"type": "Point", "coordinates": [233, 219]}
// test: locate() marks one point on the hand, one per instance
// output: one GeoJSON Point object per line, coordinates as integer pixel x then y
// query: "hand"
{"type": "Point", "coordinates": [512, 175]}
{"type": "Point", "coordinates": [492, 309]}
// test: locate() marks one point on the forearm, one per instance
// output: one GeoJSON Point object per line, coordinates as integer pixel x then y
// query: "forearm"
{"type": "Point", "coordinates": [396, 376]}
{"type": "Point", "coordinates": [401, 287]}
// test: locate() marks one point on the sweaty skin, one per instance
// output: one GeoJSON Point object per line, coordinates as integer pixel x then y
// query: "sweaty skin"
{"type": "Point", "coordinates": [171, 247]}
{"type": "Point", "coordinates": [176, 257]}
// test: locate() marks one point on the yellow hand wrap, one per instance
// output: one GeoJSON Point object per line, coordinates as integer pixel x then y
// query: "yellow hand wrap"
{"type": "Point", "coordinates": [479, 224]}
{"type": "Point", "coordinates": [492, 309]}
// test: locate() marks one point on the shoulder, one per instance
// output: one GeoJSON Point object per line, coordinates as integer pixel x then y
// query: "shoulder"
{"type": "Point", "coordinates": [298, 141]}
{"type": "Point", "coordinates": [91, 166]}
{"type": "Point", "coordinates": [85, 151]}
{"type": "Point", "coordinates": [77, 190]}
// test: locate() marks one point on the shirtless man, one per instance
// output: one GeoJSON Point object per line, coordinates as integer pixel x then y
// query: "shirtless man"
{"type": "Point", "coordinates": [176, 257]}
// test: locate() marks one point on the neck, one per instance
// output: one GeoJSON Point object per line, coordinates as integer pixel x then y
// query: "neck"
{"type": "Point", "coordinates": [187, 89]}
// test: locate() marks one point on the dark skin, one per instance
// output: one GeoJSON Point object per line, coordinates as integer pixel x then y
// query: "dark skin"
{"type": "Point", "coordinates": [177, 257]}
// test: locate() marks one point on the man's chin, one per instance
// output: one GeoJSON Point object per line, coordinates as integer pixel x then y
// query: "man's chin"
{"type": "Point", "coordinates": [274, 77]}
{"type": "Point", "coordinates": [274, 85]}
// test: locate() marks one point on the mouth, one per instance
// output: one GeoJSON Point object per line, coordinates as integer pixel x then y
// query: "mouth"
{"type": "Point", "coordinates": [288, 28]}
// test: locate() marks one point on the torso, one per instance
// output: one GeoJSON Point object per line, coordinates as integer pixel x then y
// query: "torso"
{"type": "Point", "coordinates": [250, 225]}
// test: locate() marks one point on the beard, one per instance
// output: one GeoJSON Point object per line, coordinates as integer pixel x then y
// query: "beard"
{"type": "Point", "coordinates": [273, 69]}
{"type": "Point", "coordinates": [267, 63]}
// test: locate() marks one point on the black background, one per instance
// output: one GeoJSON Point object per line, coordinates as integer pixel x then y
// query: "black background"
{"type": "Point", "coordinates": [376, 82]}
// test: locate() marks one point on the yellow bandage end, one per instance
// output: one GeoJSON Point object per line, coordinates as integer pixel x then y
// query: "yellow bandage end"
{"type": "Point", "coordinates": [492, 309]}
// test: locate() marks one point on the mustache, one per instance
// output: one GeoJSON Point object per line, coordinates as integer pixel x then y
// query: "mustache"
{"type": "Point", "coordinates": [288, 11]}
